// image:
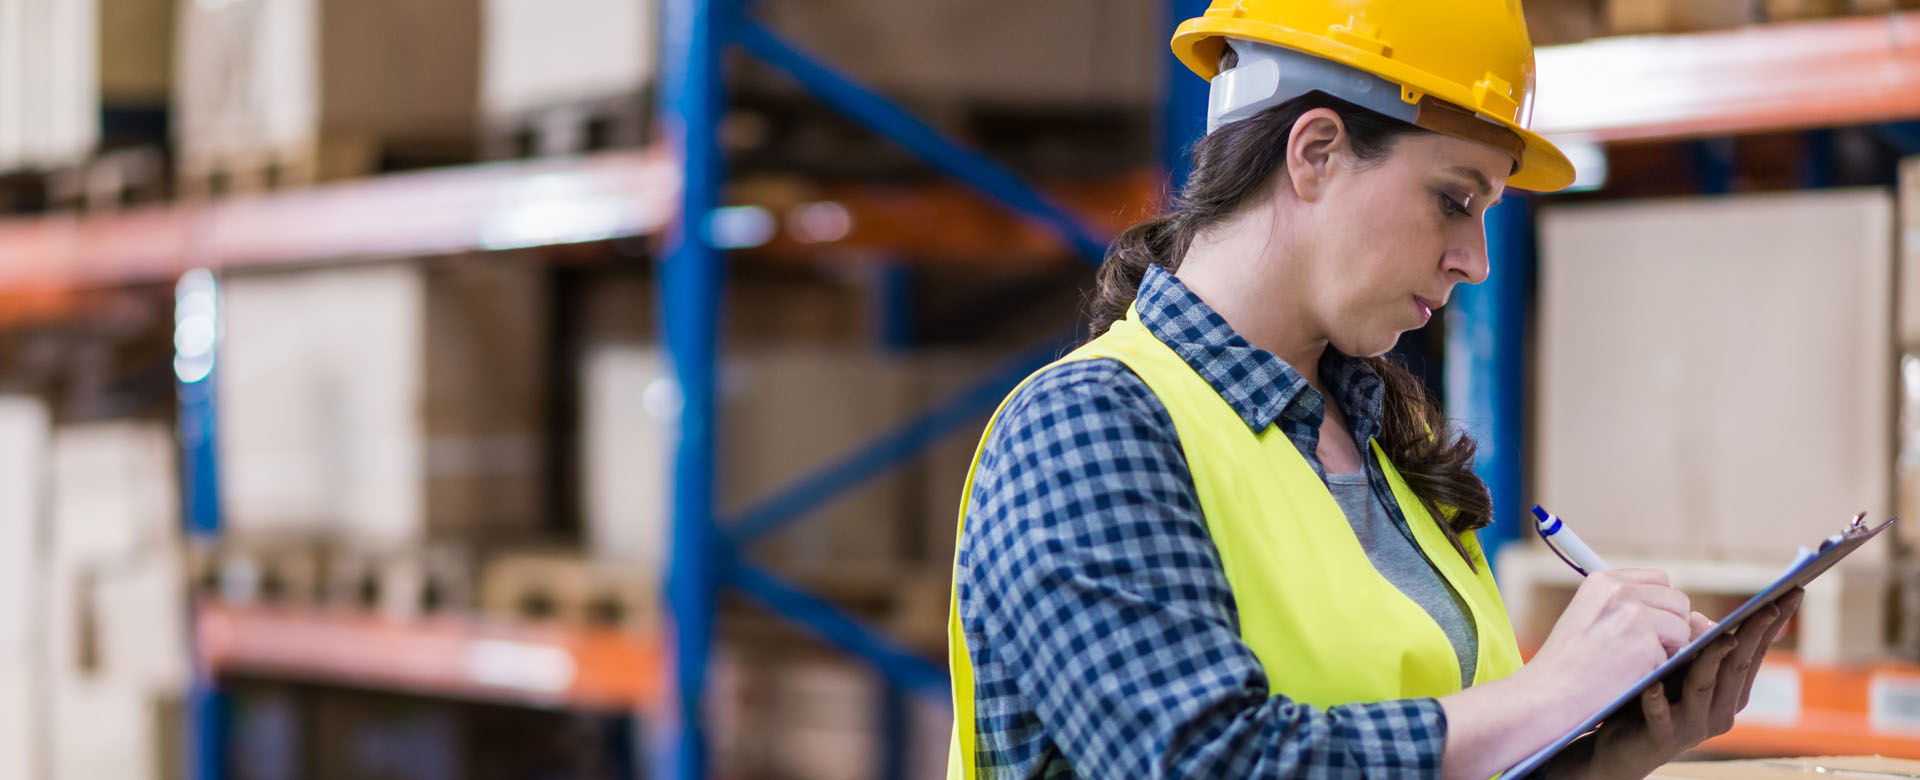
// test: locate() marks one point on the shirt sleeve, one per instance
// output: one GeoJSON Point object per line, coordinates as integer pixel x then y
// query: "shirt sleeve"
{"type": "Point", "coordinates": [1089, 581]}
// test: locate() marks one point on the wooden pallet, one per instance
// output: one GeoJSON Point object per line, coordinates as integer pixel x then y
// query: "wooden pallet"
{"type": "Point", "coordinates": [1843, 618]}
{"type": "Point", "coordinates": [572, 590]}
{"type": "Point", "coordinates": [333, 157]}
{"type": "Point", "coordinates": [277, 572]}
{"type": "Point", "coordinates": [111, 181]}
{"type": "Point", "coordinates": [570, 127]}
{"type": "Point", "coordinates": [402, 585]}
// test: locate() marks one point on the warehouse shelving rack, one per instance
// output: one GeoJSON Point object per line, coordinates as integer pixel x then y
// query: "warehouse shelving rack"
{"type": "Point", "coordinates": [1855, 71]}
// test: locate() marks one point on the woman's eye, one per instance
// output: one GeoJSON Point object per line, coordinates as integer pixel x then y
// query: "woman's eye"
{"type": "Point", "coordinates": [1448, 204]}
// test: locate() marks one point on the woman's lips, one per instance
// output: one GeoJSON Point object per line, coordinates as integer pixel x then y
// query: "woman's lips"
{"type": "Point", "coordinates": [1426, 308]}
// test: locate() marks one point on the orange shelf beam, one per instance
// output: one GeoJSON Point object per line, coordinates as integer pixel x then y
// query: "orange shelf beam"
{"type": "Point", "coordinates": [479, 207]}
{"type": "Point", "coordinates": [1801, 709]}
{"type": "Point", "coordinates": [1755, 79]}
{"type": "Point", "coordinates": [442, 656]}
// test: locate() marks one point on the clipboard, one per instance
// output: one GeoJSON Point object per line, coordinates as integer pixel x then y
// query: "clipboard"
{"type": "Point", "coordinates": [1807, 565]}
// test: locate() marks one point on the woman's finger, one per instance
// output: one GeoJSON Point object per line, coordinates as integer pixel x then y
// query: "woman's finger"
{"type": "Point", "coordinates": [1787, 606]}
{"type": "Point", "coordinates": [1700, 625]}
{"type": "Point", "coordinates": [1657, 714]}
{"type": "Point", "coordinates": [1702, 682]}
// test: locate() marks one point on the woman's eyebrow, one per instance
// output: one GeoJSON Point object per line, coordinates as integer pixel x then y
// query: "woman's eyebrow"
{"type": "Point", "coordinates": [1479, 180]}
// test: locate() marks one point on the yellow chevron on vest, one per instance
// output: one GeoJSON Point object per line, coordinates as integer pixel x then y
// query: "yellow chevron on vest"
{"type": "Point", "coordinates": [1327, 627]}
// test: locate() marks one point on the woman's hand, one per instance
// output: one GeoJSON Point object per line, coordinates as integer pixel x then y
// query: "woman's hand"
{"type": "Point", "coordinates": [1621, 625]}
{"type": "Point", "coordinates": [1715, 687]}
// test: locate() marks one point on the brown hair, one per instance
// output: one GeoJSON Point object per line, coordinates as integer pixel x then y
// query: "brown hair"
{"type": "Point", "coordinates": [1235, 165]}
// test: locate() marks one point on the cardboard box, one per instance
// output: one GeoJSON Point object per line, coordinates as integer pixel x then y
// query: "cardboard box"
{"type": "Point", "coordinates": [62, 61]}
{"type": "Point", "coordinates": [386, 404]}
{"type": "Point", "coordinates": [1058, 52]}
{"type": "Point", "coordinates": [22, 748]}
{"type": "Point", "coordinates": [92, 688]}
{"type": "Point", "coordinates": [1793, 10]}
{"type": "Point", "coordinates": [531, 55]}
{"type": "Point", "coordinates": [290, 78]}
{"type": "Point", "coordinates": [785, 415]}
{"type": "Point", "coordinates": [116, 586]}
{"type": "Point", "coordinates": [47, 67]}
{"type": "Point", "coordinates": [1634, 17]}
{"type": "Point", "coordinates": [113, 731]}
{"type": "Point", "coordinates": [1716, 375]}
{"type": "Point", "coordinates": [1909, 269]}
{"type": "Point", "coordinates": [24, 430]}
{"type": "Point", "coordinates": [136, 51]}
{"type": "Point", "coordinates": [1555, 22]}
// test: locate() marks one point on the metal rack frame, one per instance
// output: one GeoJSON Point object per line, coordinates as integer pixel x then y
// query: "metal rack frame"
{"type": "Point", "coordinates": [705, 549]}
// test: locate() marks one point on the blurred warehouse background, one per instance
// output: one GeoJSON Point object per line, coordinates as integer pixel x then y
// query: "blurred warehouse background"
{"type": "Point", "coordinates": [339, 424]}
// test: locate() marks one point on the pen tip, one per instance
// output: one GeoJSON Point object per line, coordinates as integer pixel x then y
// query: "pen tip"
{"type": "Point", "coordinates": [1539, 513]}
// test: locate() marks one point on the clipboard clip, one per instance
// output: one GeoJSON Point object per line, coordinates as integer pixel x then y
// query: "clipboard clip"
{"type": "Point", "coordinates": [1858, 526]}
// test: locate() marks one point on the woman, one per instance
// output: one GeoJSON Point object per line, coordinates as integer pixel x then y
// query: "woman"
{"type": "Point", "coordinates": [1225, 538]}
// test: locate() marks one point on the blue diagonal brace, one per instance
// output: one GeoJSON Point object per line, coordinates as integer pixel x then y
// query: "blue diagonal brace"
{"type": "Point", "coordinates": [889, 121]}
{"type": "Point", "coordinates": [890, 450]}
{"type": "Point", "coordinates": [898, 664]}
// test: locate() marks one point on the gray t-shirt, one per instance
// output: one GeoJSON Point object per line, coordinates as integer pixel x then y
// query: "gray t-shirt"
{"type": "Point", "coordinates": [1402, 563]}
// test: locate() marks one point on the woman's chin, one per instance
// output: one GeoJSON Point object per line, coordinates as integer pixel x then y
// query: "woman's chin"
{"type": "Point", "coordinates": [1370, 345]}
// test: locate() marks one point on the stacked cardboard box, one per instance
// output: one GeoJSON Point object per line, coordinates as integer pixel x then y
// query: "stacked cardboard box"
{"type": "Point", "coordinates": [114, 641]}
{"type": "Point", "coordinates": [1629, 17]}
{"type": "Point", "coordinates": [1907, 330]}
{"type": "Point", "coordinates": [386, 405]}
{"type": "Point", "coordinates": [1716, 375]}
{"type": "Point", "coordinates": [23, 524]}
{"type": "Point", "coordinates": [1056, 53]}
{"type": "Point", "coordinates": [323, 89]}
{"type": "Point", "coordinates": [785, 414]}
{"type": "Point", "coordinates": [535, 80]}
{"type": "Point", "coordinates": [813, 716]}
{"type": "Point", "coordinates": [49, 95]}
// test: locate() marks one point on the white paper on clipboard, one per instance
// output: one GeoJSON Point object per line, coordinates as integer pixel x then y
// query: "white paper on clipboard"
{"type": "Point", "coordinates": [1807, 564]}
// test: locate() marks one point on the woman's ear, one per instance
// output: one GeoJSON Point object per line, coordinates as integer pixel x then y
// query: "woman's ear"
{"type": "Point", "coordinates": [1313, 146]}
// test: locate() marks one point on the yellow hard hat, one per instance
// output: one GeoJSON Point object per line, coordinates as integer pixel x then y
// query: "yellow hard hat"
{"type": "Point", "coordinates": [1460, 67]}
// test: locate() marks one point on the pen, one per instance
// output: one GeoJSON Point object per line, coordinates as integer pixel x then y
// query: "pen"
{"type": "Point", "coordinates": [1566, 544]}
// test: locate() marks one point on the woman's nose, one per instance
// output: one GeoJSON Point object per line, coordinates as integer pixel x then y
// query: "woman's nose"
{"type": "Point", "coordinates": [1467, 262]}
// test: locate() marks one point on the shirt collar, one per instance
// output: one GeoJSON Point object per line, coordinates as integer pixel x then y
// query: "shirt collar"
{"type": "Point", "coordinates": [1257, 384]}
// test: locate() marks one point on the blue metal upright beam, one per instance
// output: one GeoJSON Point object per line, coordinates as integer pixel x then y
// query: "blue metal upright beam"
{"type": "Point", "coordinates": [196, 340]}
{"type": "Point", "coordinates": [1183, 115]}
{"type": "Point", "coordinates": [1485, 367]}
{"type": "Point", "coordinates": [691, 276]}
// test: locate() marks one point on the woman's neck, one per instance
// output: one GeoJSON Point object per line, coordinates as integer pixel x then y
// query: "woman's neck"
{"type": "Point", "coordinates": [1257, 298]}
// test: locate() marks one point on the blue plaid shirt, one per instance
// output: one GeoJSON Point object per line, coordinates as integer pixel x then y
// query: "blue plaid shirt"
{"type": "Point", "coordinates": [1104, 637]}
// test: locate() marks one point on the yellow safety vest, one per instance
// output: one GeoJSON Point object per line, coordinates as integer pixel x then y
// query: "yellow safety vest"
{"type": "Point", "coordinates": [1327, 627]}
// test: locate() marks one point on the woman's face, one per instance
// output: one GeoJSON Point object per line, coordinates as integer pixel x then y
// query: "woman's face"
{"type": "Point", "coordinates": [1396, 234]}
